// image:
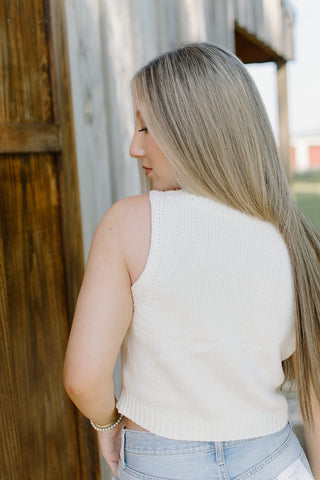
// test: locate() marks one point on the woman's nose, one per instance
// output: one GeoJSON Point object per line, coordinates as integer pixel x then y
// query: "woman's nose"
{"type": "Point", "coordinates": [136, 149]}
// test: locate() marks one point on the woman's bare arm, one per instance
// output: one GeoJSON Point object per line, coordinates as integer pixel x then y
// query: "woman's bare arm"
{"type": "Point", "coordinates": [102, 317]}
{"type": "Point", "coordinates": [312, 436]}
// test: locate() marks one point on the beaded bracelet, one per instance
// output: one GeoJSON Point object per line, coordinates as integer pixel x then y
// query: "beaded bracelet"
{"type": "Point", "coordinates": [104, 428]}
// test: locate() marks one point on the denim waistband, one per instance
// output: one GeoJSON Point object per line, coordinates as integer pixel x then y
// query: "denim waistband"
{"type": "Point", "coordinates": [135, 441]}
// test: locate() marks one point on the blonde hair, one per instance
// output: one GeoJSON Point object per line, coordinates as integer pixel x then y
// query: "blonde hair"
{"type": "Point", "coordinates": [205, 113]}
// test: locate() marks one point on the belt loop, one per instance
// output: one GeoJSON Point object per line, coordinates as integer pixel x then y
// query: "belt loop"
{"type": "Point", "coordinates": [219, 453]}
{"type": "Point", "coordinates": [122, 445]}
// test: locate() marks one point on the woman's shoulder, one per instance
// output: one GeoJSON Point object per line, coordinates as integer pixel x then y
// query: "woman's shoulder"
{"type": "Point", "coordinates": [132, 215]}
{"type": "Point", "coordinates": [137, 208]}
{"type": "Point", "coordinates": [134, 201]}
{"type": "Point", "coordinates": [130, 221]}
{"type": "Point", "coordinates": [125, 218]}
{"type": "Point", "coordinates": [128, 209]}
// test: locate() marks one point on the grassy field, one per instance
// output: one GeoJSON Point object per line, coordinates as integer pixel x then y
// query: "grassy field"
{"type": "Point", "coordinates": [306, 189]}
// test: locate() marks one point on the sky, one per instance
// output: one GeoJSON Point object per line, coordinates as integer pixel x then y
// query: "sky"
{"type": "Point", "coordinates": [303, 74]}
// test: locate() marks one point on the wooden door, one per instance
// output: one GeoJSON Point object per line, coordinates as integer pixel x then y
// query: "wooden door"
{"type": "Point", "coordinates": [41, 260]}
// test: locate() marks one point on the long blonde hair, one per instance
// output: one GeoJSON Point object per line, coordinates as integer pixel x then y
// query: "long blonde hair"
{"type": "Point", "coordinates": [205, 113]}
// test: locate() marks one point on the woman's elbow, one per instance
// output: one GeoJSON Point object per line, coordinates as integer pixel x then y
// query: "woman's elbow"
{"type": "Point", "coordinates": [71, 383]}
{"type": "Point", "coordinates": [75, 380]}
{"type": "Point", "coordinates": [81, 382]}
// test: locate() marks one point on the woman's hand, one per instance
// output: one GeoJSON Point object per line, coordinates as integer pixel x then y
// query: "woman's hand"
{"type": "Point", "coordinates": [110, 443]}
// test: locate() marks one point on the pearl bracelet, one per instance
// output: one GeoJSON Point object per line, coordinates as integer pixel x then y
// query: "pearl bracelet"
{"type": "Point", "coordinates": [104, 428]}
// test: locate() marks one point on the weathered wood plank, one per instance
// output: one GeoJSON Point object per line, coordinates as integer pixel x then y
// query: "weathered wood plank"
{"type": "Point", "coordinates": [90, 113]}
{"type": "Point", "coordinates": [86, 443]}
{"type": "Point", "coordinates": [37, 428]}
{"type": "Point", "coordinates": [250, 50]}
{"type": "Point", "coordinates": [41, 263]}
{"type": "Point", "coordinates": [269, 23]}
{"type": "Point", "coordinates": [29, 138]}
{"type": "Point", "coordinates": [124, 23]}
{"type": "Point", "coordinates": [9, 431]}
{"type": "Point", "coordinates": [68, 177]}
{"type": "Point", "coordinates": [25, 94]}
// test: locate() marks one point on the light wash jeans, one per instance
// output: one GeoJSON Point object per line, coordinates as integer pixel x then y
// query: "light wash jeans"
{"type": "Point", "coordinates": [146, 456]}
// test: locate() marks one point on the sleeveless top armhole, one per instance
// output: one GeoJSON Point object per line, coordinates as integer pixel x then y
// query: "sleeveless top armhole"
{"type": "Point", "coordinates": [155, 250]}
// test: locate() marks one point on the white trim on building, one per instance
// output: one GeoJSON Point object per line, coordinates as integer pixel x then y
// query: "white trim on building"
{"type": "Point", "coordinates": [301, 145]}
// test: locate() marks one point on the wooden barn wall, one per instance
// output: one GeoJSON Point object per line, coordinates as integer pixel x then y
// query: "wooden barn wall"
{"type": "Point", "coordinates": [42, 436]}
{"type": "Point", "coordinates": [269, 22]}
{"type": "Point", "coordinates": [108, 41]}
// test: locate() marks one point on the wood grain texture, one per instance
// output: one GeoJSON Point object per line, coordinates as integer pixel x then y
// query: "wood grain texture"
{"type": "Point", "coordinates": [25, 94]}
{"type": "Point", "coordinates": [68, 177]}
{"type": "Point", "coordinates": [42, 434]}
{"type": "Point", "coordinates": [9, 430]}
{"type": "Point", "coordinates": [70, 205]}
{"type": "Point", "coordinates": [269, 23]}
{"type": "Point", "coordinates": [38, 430]}
{"type": "Point", "coordinates": [250, 50]}
{"type": "Point", "coordinates": [29, 138]}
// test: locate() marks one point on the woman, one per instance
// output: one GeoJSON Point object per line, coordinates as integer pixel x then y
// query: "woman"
{"type": "Point", "coordinates": [210, 285]}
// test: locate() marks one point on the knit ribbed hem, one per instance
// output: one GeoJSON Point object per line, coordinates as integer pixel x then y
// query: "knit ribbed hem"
{"type": "Point", "coordinates": [177, 427]}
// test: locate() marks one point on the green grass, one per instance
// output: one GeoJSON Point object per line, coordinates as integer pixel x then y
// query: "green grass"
{"type": "Point", "coordinates": [308, 201]}
{"type": "Point", "coordinates": [312, 176]}
{"type": "Point", "coordinates": [310, 205]}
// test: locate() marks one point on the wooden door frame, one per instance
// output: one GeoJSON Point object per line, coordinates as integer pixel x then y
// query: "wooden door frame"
{"type": "Point", "coordinates": [58, 138]}
{"type": "Point", "coordinates": [70, 200]}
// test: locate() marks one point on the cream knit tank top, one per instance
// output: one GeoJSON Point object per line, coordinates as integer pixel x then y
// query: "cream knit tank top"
{"type": "Point", "coordinates": [213, 320]}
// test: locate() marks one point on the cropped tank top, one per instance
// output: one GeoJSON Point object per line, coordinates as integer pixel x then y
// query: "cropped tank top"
{"type": "Point", "coordinates": [213, 320]}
